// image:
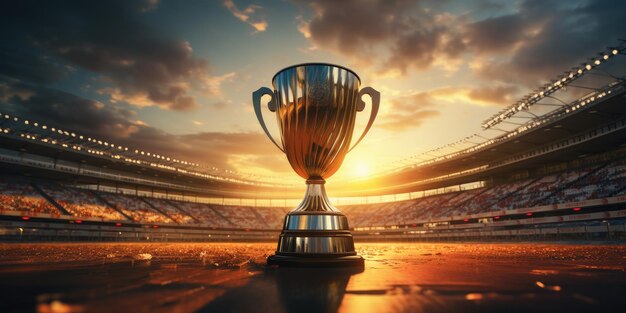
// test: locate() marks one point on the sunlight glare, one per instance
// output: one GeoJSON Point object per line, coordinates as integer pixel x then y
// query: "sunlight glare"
{"type": "Point", "coordinates": [361, 169]}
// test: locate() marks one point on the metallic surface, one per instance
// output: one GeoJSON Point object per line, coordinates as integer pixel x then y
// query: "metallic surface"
{"type": "Point", "coordinates": [315, 106]}
{"type": "Point", "coordinates": [331, 245]}
{"type": "Point", "coordinates": [316, 110]}
{"type": "Point", "coordinates": [315, 199]}
{"type": "Point", "coordinates": [316, 222]}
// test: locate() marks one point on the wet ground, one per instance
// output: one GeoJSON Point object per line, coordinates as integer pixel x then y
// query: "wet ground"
{"type": "Point", "coordinates": [179, 277]}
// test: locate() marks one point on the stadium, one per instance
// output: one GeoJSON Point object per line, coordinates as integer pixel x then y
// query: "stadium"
{"type": "Point", "coordinates": [527, 214]}
{"type": "Point", "coordinates": [559, 175]}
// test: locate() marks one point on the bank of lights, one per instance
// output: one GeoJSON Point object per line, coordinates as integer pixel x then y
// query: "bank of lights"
{"type": "Point", "coordinates": [93, 146]}
{"type": "Point", "coordinates": [55, 130]}
{"type": "Point", "coordinates": [551, 87]}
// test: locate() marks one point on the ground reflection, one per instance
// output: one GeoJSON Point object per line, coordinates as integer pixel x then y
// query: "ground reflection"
{"type": "Point", "coordinates": [287, 290]}
{"type": "Point", "coordinates": [398, 277]}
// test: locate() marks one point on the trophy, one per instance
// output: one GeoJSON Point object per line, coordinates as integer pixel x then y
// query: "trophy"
{"type": "Point", "coordinates": [316, 106]}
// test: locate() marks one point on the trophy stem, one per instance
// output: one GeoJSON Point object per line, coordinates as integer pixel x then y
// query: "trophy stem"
{"type": "Point", "coordinates": [316, 234]}
{"type": "Point", "coordinates": [315, 198]}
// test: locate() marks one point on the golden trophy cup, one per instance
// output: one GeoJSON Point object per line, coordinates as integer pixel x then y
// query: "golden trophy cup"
{"type": "Point", "coordinates": [316, 106]}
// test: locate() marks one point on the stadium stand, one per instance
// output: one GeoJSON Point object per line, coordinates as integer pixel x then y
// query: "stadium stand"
{"type": "Point", "coordinates": [136, 208]}
{"type": "Point", "coordinates": [15, 196]}
{"type": "Point", "coordinates": [273, 217]}
{"type": "Point", "coordinates": [585, 183]}
{"type": "Point", "coordinates": [241, 216]}
{"type": "Point", "coordinates": [605, 182]}
{"type": "Point", "coordinates": [205, 214]}
{"type": "Point", "coordinates": [80, 203]}
{"type": "Point", "coordinates": [171, 211]}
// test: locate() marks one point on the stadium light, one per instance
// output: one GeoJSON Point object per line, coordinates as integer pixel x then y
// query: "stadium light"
{"type": "Point", "coordinates": [555, 85]}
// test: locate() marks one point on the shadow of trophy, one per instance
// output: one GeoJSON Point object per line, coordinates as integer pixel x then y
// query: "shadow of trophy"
{"type": "Point", "coordinates": [294, 290]}
{"type": "Point", "coordinates": [311, 289]}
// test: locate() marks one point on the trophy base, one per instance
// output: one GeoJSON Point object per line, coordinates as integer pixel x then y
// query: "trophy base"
{"type": "Point", "coordinates": [352, 261]}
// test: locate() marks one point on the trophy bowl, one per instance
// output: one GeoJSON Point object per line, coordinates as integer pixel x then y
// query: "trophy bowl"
{"type": "Point", "coordinates": [316, 106]}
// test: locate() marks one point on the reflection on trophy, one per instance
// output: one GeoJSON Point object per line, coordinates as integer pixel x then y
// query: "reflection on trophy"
{"type": "Point", "coordinates": [316, 106]}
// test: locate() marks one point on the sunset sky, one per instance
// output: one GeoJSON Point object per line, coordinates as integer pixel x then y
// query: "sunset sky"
{"type": "Point", "coordinates": [176, 77]}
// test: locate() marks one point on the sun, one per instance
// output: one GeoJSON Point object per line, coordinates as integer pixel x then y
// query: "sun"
{"type": "Point", "coordinates": [361, 169]}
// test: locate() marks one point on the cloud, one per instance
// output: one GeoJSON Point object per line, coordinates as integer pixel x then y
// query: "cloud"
{"type": "Point", "coordinates": [213, 84]}
{"type": "Point", "coordinates": [135, 62]}
{"type": "Point", "coordinates": [24, 65]}
{"type": "Point", "coordinates": [400, 33]}
{"type": "Point", "coordinates": [408, 112]}
{"type": "Point", "coordinates": [248, 15]}
{"type": "Point", "coordinates": [66, 110]}
{"type": "Point", "coordinates": [494, 95]}
{"type": "Point", "coordinates": [532, 41]}
{"type": "Point", "coordinates": [412, 111]}
{"type": "Point", "coordinates": [549, 37]}
{"type": "Point", "coordinates": [113, 124]}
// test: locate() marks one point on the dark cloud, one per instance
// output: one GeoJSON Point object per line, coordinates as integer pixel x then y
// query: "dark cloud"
{"type": "Point", "coordinates": [138, 64]}
{"type": "Point", "coordinates": [411, 35]}
{"type": "Point", "coordinates": [24, 65]}
{"type": "Point", "coordinates": [66, 110]}
{"type": "Point", "coordinates": [408, 112]}
{"type": "Point", "coordinates": [498, 34]}
{"type": "Point", "coordinates": [537, 40]}
{"type": "Point", "coordinates": [421, 47]}
{"type": "Point", "coordinates": [109, 122]}
{"type": "Point", "coordinates": [353, 27]}
{"type": "Point", "coordinates": [545, 38]}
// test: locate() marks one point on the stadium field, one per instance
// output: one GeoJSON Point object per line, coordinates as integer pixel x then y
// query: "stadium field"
{"type": "Point", "coordinates": [232, 277]}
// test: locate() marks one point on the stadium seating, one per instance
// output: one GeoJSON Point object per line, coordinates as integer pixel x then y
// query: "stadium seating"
{"type": "Point", "coordinates": [171, 211]}
{"type": "Point", "coordinates": [24, 198]}
{"type": "Point", "coordinates": [605, 182]}
{"type": "Point", "coordinates": [204, 214]}
{"type": "Point", "coordinates": [242, 216]}
{"type": "Point", "coordinates": [80, 203]}
{"type": "Point", "coordinates": [273, 217]}
{"type": "Point", "coordinates": [586, 183]}
{"type": "Point", "coordinates": [139, 210]}
{"type": "Point", "coordinates": [575, 185]}
{"type": "Point", "coordinates": [534, 192]}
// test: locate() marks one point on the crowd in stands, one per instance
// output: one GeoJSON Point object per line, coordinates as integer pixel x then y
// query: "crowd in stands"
{"type": "Point", "coordinates": [538, 190]}
{"type": "Point", "coordinates": [22, 197]}
{"type": "Point", "coordinates": [592, 182]}
{"type": "Point", "coordinates": [170, 210]}
{"type": "Point", "coordinates": [273, 217]}
{"type": "Point", "coordinates": [586, 183]}
{"type": "Point", "coordinates": [80, 203]}
{"type": "Point", "coordinates": [205, 214]}
{"type": "Point", "coordinates": [136, 208]}
{"type": "Point", "coordinates": [242, 216]}
{"type": "Point", "coordinates": [603, 183]}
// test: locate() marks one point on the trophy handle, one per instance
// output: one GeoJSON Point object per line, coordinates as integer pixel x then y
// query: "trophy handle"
{"type": "Point", "coordinates": [375, 95]}
{"type": "Point", "coordinates": [271, 105]}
